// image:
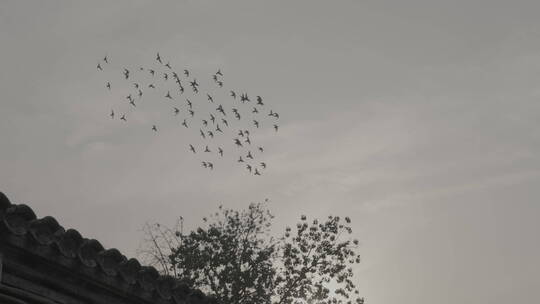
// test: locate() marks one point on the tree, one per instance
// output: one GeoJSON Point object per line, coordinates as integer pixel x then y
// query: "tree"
{"type": "Point", "coordinates": [235, 258]}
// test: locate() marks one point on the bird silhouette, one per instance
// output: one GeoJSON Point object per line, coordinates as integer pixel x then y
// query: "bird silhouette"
{"type": "Point", "coordinates": [219, 73]}
{"type": "Point", "coordinates": [105, 59]}
{"type": "Point", "coordinates": [210, 98]}
{"type": "Point", "coordinates": [241, 133]}
{"type": "Point", "coordinates": [220, 109]}
{"type": "Point", "coordinates": [237, 115]}
{"type": "Point", "coordinates": [190, 105]}
{"type": "Point", "coordinates": [184, 123]}
{"type": "Point", "coordinates": [220, 151]}
{"type": "Point", "coordinates": [192, 113]}
{"type": "Point", "coordinates": [210, 134]}
{"type": "Point", "coordinates": [152, 72]}
{"type": "Point", "coordinates": [237, 142]}
{"type": "Point", "coordinates": [233, 94]}
{"type": "Point", "coordinates": [205, 122]}
{"type": "Point", "coordinates": [263, 165]}
{"type": "Point", "coordinates": [259, 101]}
{"type": "Point", "coordinates": [244, 97]}
{"type": "Point", "coordinates": [192, 148]}
{"type": "Point", "coordinates": [176, 111]}
{"type": "Point", "coordinates": [255, 110]}
{"type": "Point", "coordinates": [276, 127]}
{"type": "Point", "coordinates": [261, 149]}
{"type": "Point", "coordinates": [108, 85]}
{"type": "Point", "coordinates": [126, 73]}
{"type": "Point", "coordinates": [249, 155]}
{"type": "Point", "coordinates": [218, 129]}
{"type": "Point", "coordinates": [158, 58]}
{"type": "Point", "coordinates": [220, 84]}
{"type": "Point", "coordinates": [212, 118]}
{"type": "Point", "coordinates": [123, 117]}
{"type": "Point", "coordinates": [154, 128]}
{"type": "Point", "coordinates": [202, 134]}
{"type": "Point", "coordinates": [132, 102]}
{"type": "Point", "coordinates": [112, 114]}
{"type": "Point", "coordinates": [215, 77]}
{"type": "Point", "coordinates": [257, 172]}
{"type": "Point", "coordinates": [207, 150]}
{"type": "Point", "coordinates": [256, 123]}
{"type": "Point", "coordinates": [248, 141]}
{"type": "Point", "coordinates": [210, 165]}
{"type": "Point", "coordinates": [224, 121]}
{"type": "Point", "coordinates": [186, 72]}
{"type": "Point", "coordinates": [240, 160]}
{"type": "Point", "coordinates": [136, 85]}
{"type": "Point", "coordinates": [204, 164]}
{"type": "Point", "coordinates": [140, 93]}
{"type": "Point", "coordinates": [168, 65]}
{"type": "Point", "coordinates": [165, 76]}
{"type": "Point", "coordinates": [152, 86]}
{"type": "Point", "coordinates": [99, 67]}
{"type": "Point", "coordinates": [168, 95]}
{"type": "Point", "coordinates": [249, 168]}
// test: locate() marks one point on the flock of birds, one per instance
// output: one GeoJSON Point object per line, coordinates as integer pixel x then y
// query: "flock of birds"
{"type": "Point", "coordinates": [239, 115]}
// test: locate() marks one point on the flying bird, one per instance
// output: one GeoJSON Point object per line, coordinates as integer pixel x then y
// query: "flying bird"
{"type": "Point", "coordinates": [249, 155]}
{"type": "Point", "coordinates": [220, 109]}
{"type": "Point", "coordinates": [186, 72]}
{"type": "Point", "coordinates": [219, 73]}
{"type": "Point", "coordinates": [126, 73]}
{"type": "Point", "coordinates": [207, 150]}
{"type": "Point", "coordinates": [108, 85]}
{"type": "Point", "coordinates": [220, 151]}
{"type": "Point", "coordinates": [99, 67]}
{"type": "Point", "coordinates": [154, 128]}
{"type": "Point", "coordinates": [168, 65]}
{"type": "Point", "coordinates": [218, 129]}
{"type": "Point", "coordinates": [220, 84]}
{"type": "Point", "coordinates": [261, 149]}
{"type": "Point", "coordinates": [105, 59]}
{"type": "Point", "coordinates": [210, 134]}
{"type": "Point", "coordinates": [233, 94]}
{"type": "Point", "coordinates": [202, 133]}
{"type": "Point", "coordinates": [112, 114]}
{"type": "Point", "coordinates": [212, 118]}
{"type": "Point", "coordinates": [257, 172]}
{"type": "Point", "coordinates": [210, 98]}
{"type": "Point", "coordinates": [237, 142]}
{"type": "Point", "coordinates": [192, 148]}
{"type": "Point", "coordinates": [165, 76]}
{"type": "Point", "coordinates": [248, 141]}
{"type": "Point", "coordinates": [263, 165]}
{"type": "Point", "coordinates": [176, 111]}
{"type": "Point", "coordinates": [259, 101]}
{"type": "Point", "coordinates": [152, 72]}
{"type": "Point", "coordinates": [205, 122]}
{"type": "Point", "coordinates": [123, 117]}
{"type": "Point", "coordinates": [168, 95]}
{"type": "Point", "coordinates": [240, 160]}
{"type": "Point", "coordinates": [255, 110]}
{"type": "Point", "coordinates": [152, 86]}
{"type": "Point", "coordinates": [276, 127]}
{"type": "Point", "coordinates": [158, 58]}
{"type": "Point", "coordinates": [249, 168]}
{"type": "Point", "coordinates": [192, 113]}
{"type": "Point", "coordinates": [184, 123]}
{"type": "Point", "coordinates": [224, 121]}
{"type": "Point", "coordinates": [256, 123]}
{"type": "Point", "coordinates": [189, 103]}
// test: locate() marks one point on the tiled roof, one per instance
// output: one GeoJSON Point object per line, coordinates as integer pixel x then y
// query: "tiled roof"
{"type": "Point", "coordinates": [18, 221]}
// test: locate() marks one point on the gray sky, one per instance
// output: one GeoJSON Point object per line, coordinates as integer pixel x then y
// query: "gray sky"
{"type": "Point", "coordinates": [419, 119]}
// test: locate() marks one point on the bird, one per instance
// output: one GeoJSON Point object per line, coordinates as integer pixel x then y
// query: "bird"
{"type": "Point", "coordinates": [220, 151]}
{"type": "Point", "coordinates": [210, 98]}
{"type": "Point", "coordinates": [212, 118]}
{"type": "Point", "coordinates": [165, 76]}
{"type": "Point", "coordinates": [168, 95]}
{"type": "Point", "coordinates": [205, 164]}
{"type": "Point", "coordinates": [158, 58]}
{"type": "Point", "coordinates": [129, 97]}
{"type": "Point", "coordinates": [181, 88]}
{"type": "Point", "coordinates": [224, 121]}
{"type": "Point", "coordinates": [186, 72]}
{"type": "Point", "coordinates": [220, 109]}
{"type": "Point", "coordinates": [255, 110]}
{"type": "Point", "coordinates": [249, 168]}
{"type": "Point", "coordinates": [176, 111]}
{"type": "Point", "coordinates": [210, 134]}
{"type": "Point", "coordinates": [192, 113]}
{"type": "Point", "coordinates": [112, 114]}
{"type": "Point", "coordinates": [248, 141]}
{"type": "Point", "coordinates": [132, 102]}
{"type": "Point", "coordinates": [105, 59]}
{"type": "Point", "coordinates": [246, 132]}
{"type": "Point", "coordinates": [175, 76]}
{"type": "Point", "coordinates": [276, 127]}
{"type": "Point", "coordinates": [276, 115]}
{"type": "Point", "coordinates": [108, 85]}
{"type": "Point", "coordinates": [237, 115]}
{"type": "Point", "coordinates": [256, 123]}
{"type": "Point", "coordinates": [154, 128]}
{"type": "Point", "coordinates": [240, 160]}
{"type": "Point", "coordinates": [237, 142]}
{"type": "Point", "coordinates": [152, 86]}
{"type": "Point", "coordinates": [257, 172]}
{"type": "Point", "coordinates": [207, 150]}
{"type": "Point", "coordinates": [215, 77]}
{"type": "Point", "coordinates": [220, 84]}
{"type": "Point", "coordinates": [194, 83]}
{"type": "Point", "coordinates": [233, 94]}
{"type": "Point", "coordinates": [184, 123]}
{"type": "Point", "coordinates": [263, 165]}
{"type": "Point", "coordinates": [189, 103]}
{"type": "Point", "coordinates": [99, 67]}
{"type": "Point", "coordinates": [123, 117]}
{"type": "Point", "coordinates": [152, 72]}
{"type": "Point", "coordinates": [136, 85]}
{"type": "Point", "coordinates": [126, 73]}
{"type": "Point", "coordinates": [192, 148]}
{"type": "Point", "coordinates": [140, 93]}
{"type": "Point", "coordinates": [249, 155]}
{"type": "Point", "coordinates": [219, 73]}
{"type": "Point", "coordinates": [259, 101]}
{"type": "Point", "coordinates": [205, 122]}
{"type": "Point", "coordinates": [168, 65]}
{"type": "Point", "coordinates": [244, 97]}
{"type": "Point", "coordinates": [202, 133]}
{"type": "Point", "coordinates": [218, 129]}
{"type": "Point", "coordinates": [261, 149]}
{"type": "Point", "coordinates": [211, 166]}
{"type": "Point", "coordinates": [241, 133]}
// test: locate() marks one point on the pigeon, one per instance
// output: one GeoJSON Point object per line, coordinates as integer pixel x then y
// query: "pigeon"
{"type": "Point", "coordinates": [241, 133]}
{"type": "Point", "coordinates": [255, 110]}
{"type": "Point", "coordinates": [244, 97]}
{"type": "Point", "coordinates": [212, 118]}
{"type": "Point", "coordinates": [189, 103]}
{"type": "Point", "coordinates": [237, 116]}
{"type": "Point", "coordinates": [129, 97]}
{"type": "Point", "coordinates": [105, 59]}
{"type": "Point", "coordinates": [202, 134]}
{"type": "Point", "coordinates": [248, 141]}
{"type": "Point", "coordinates": [152, 72]}
{"type": "Point", "coordinates": [192, 113]}
{"type": "Point", "coordinates": [152, 86]}
{"type": "Point", "coordinates": [220, 84]}
{"type": "Point", "coordinates": [132, 102]}
{"type": "Point", "coordinates": [215, 78]}
{"type": "Point", "coordinates": [205, 122]}
{"type": "Point", "coordinates": [136, 85]}
{"type": "Point", "coordinates": [220, 109]}
{"type": "Point", "coordinates": [192, 148]}
{"type": "Point", "coordinates": [168, 65]}
{"type": "Point", "coordinates": [140, 93]}
{"type": "Point", "coordinates": [165, 76]}
{"type": "Point", "coordinates": [205, 164]}
{"type": "Point", "coordinates": [249, 168]}
{"type": "Point", "coordinates": [218, 129]}
{"type": "Point", "coordinates": [211, 166]}
{"type": "Point", "coordinates": [224, 121]}
{"type": "Point", "coordinates": [210, 134]}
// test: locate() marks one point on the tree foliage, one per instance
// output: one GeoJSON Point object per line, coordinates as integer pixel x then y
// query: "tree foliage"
{"type": "Point", "coordinates": [235, 258]}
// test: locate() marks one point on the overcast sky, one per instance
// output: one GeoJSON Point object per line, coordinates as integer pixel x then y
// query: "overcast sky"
{"type": "Point", "coordinates": [419, 119]}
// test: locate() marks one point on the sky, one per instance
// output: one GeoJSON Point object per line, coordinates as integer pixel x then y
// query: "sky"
{"type": "Point", "coordinates": [418, 119]}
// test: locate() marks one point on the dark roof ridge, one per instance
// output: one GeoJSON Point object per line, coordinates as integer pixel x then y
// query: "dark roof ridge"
{"type": "Point", "coordinates": [68, 245]}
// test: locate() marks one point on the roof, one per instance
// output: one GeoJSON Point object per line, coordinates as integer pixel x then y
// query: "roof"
{"type": "Point", "coordinates": [65, 249]}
